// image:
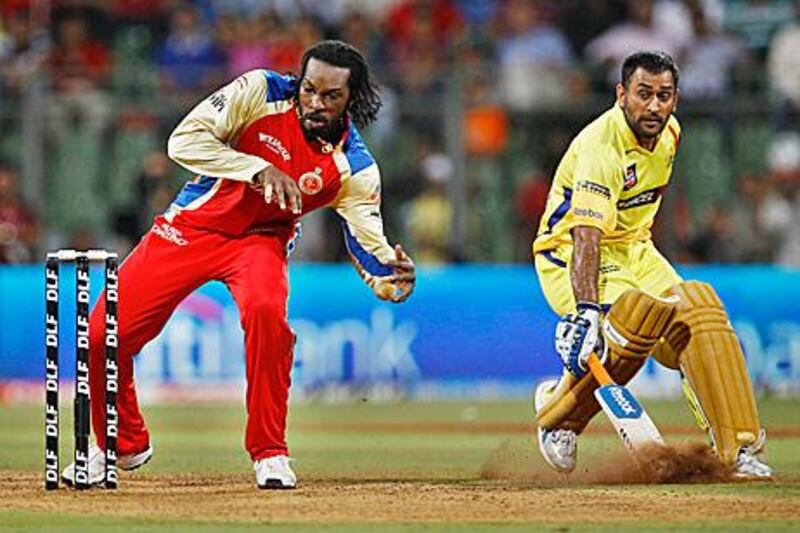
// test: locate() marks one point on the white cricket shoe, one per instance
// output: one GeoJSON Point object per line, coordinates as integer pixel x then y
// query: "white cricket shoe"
{"type": "Point", "coordinates": [275, 473]}
{"type": "Point", "coordinates": [97, 464]}
{"type": "Point", "coordinates": [559, 447]}
{"type": "Point", "coordinates": [748, 466]}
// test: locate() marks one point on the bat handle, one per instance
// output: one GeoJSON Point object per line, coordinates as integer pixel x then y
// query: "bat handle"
{"type": "Point", "coordinates": [598, 370]}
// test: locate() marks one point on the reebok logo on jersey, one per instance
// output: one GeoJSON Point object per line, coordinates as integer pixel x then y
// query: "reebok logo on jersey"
{"type": "Point", "coordinates": [275, 145]}
{"type": "Point", "coordinates": [169, 233]}
{"type": "Point", "coordinates": [590, 213]}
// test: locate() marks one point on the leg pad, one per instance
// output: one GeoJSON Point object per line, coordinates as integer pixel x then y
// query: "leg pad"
{"type": "Point", "coordinates": [702, 343]}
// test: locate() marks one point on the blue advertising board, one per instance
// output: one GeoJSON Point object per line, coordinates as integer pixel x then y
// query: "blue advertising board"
{"type": "Point", "coordinates": [467, 331]}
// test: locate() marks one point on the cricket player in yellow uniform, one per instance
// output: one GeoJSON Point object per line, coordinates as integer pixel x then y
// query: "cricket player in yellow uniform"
{"type": "Point", "coordinates": [617, 295]}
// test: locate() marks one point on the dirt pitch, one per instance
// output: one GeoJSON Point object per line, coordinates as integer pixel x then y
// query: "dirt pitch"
{"type": "Point", "coordinates": [401, 467]}
{"type": "Point", "coordinates": [232, 499]}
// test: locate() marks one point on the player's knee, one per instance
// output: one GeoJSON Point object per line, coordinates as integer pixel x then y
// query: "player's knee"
{"type": "Point", "coordinates": [695, 295]}
{"type": "Point", "coordinates": [668, 350]}
{"type": "Point", "coordinates": [635, 323]}
{"type": "Point", "coordinates": [700, 311]}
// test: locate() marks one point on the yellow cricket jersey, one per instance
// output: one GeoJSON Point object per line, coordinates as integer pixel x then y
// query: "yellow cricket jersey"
{"type": "Point", "coordinates": [608, 181]}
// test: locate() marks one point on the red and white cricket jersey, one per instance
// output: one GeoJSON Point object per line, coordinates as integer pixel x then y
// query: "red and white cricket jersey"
{"type": "Point", "coordinates": [252, 123]}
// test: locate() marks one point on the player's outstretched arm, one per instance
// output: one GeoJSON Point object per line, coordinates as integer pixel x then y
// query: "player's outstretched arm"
{"type": "Point", "coordinates": [387, 270]}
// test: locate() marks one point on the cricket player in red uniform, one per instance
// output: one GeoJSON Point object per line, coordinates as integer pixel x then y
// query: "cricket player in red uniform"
{"type": "Point", "coordinates": [266, 149]}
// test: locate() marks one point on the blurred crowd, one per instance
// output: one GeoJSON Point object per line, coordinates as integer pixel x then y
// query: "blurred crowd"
{"type": "Point", "coordinates": [481, 98]}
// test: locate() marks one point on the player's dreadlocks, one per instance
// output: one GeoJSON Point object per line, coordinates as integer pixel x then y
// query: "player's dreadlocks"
{"type": "Point", "coordinates": [365, 101]}
{"type": "Point", "coordinates": [654, 62]}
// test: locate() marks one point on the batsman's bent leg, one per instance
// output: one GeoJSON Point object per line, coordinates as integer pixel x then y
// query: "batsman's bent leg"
{"type": "Point", "coordinates": [703, 344]}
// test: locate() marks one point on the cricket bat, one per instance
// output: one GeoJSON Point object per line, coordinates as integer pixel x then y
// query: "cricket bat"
{"type": "Point", "coordinates": [626, 414]}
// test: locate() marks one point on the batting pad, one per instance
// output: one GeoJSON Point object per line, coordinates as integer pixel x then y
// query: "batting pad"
{"type": "Point", "coordinates": [631, 329]}
{"type": "Point", "coordinates": [702, 342]}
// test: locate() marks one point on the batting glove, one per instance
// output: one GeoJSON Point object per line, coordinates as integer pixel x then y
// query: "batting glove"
{"type": "Point", "coordinates": [577, 336]}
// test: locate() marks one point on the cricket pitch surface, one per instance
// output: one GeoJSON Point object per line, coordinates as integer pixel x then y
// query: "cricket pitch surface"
{"type": "Point", "coordinates": [396, 467]}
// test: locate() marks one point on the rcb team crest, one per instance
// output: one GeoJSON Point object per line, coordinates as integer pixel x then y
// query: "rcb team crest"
{"type": "Point", "coordinates": [311, 182]}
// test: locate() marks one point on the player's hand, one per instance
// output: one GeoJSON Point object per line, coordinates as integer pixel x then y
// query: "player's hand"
{"type": "Point", "coordinates": [403, 280]}
{"type": "Point", "coordinates": [577, 336]}
{"type": "Point", "coordinates": [279, 188]}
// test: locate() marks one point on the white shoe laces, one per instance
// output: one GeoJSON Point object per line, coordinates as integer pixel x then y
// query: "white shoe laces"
{"type": "Point", "coordinates": [280, 460]}
{"type": "Point", "coordinates": [284, 461]}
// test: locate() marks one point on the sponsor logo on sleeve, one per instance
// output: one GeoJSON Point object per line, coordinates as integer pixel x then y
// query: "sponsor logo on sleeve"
{"type": "Point", "coordinates": [594, 188]}
{"type": "Point", "coordinates": [218, 100]}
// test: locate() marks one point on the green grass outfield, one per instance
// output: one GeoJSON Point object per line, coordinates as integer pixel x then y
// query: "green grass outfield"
{"type": "Point", "coordinates": [479, 452]}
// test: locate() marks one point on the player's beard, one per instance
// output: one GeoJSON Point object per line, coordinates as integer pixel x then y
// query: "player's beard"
{"type": "Point", "coordinates": [638, 128]}
{"type": "Point", "coordinates": [330, 132]}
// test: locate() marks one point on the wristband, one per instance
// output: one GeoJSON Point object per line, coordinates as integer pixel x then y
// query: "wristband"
{"type": "Point", "coordinates": [584, 305]}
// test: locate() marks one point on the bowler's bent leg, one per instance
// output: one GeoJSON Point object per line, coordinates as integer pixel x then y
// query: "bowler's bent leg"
{"type": "Point", "coordinates": [257, 279]}
{"type": "Point", "coordinates": [153, 280]}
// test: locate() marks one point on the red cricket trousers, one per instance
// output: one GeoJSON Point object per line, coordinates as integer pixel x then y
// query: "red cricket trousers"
{"type": "Point", "coordinates": [170, 262]}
